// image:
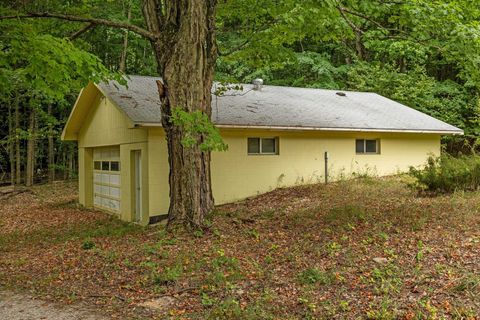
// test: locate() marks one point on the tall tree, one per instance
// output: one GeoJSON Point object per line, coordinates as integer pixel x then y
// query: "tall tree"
{"type": "Point", "coordinates": [182, 34]}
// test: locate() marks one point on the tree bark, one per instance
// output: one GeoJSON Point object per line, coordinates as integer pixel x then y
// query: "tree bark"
{"type": "Point", "coordinates": [185, 53]}
{"type": "Point", "coordinates": [18, 155]}
{"type": "Point", "coordinates": [30, 150]}
{"type": "Point", "coordinates": [11, 145]}
{"type": "Point", "coordinates": [182, 34]}
{"type": "Point", "coordinates": [51, 151]}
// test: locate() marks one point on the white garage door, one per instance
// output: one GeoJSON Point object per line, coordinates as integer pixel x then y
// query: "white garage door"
{"type": "Point", "coordinates": [106, 178]}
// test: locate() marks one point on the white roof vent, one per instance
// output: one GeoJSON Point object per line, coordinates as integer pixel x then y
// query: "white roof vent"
{"type": "Point", "coordinates": [257, 84]}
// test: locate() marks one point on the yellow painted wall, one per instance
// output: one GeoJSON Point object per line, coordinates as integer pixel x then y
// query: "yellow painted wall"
{"type": "Point", "coordinates": [106, 125]}
{"type": "Point", "coordinates": [159, 169]}
{"type": "Point", "coordinates": [237, 175]}
{"type": "Point", "coordinates": [85, 177]}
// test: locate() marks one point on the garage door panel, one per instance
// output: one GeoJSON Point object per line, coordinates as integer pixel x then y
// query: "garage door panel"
{"type": "Point", "coordinates": [115, 179]}
{"type": "Point", "coordinates": [115, 192]}
{"type": "Point", "coordinates": [115, 205]}
{"type": "Point", "coordinates": [106, 178]}
{"type": "Point", "coordinates": [104, 190]}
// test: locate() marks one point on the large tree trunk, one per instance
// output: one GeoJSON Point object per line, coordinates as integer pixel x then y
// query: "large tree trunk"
{"type": "Point", "coordinates": [185, 54]}
{"type": "Point", "coordinates": [30, 151]}
{"type": "Point", "coordinates": [51, 151]}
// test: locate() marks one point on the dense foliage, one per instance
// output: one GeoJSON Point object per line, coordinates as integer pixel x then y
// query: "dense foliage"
{"type": "Point", "coordinates": [423, 53]}
{"type": "Point", "coordinates": [448, 174]}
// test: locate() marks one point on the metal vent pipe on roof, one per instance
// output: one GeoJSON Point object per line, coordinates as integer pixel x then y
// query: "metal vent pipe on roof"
{"type": "Point", "coordinates": [257, 84]}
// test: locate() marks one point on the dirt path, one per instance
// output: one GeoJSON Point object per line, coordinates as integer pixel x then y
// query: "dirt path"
{"type": "Point", "coordinates": [21, 307]}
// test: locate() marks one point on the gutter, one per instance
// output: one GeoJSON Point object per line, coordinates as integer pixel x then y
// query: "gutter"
{"type": "Point", "coordinates": [285, 128]}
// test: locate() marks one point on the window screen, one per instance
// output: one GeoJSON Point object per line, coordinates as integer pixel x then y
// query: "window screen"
{"type": "Point", "coordinates": [253, 145]}
{"type": "Point", "coordinates": [97, 165]}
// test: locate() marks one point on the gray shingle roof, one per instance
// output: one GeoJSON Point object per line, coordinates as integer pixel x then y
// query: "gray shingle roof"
{"type": "Point", "coordinates": [286, 108]}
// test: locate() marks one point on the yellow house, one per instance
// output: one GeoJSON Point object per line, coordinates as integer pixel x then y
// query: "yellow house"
{"type": "Point", "coordinates": [276, 136]}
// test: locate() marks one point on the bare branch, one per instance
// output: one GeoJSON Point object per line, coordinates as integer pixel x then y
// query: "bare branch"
{"type": "Point", "coordinates": [114, 24]}
{"type": "Point", "coordinates": [348, 21]}
{"type": "Point", "coordinates": [344, 10]}
{"type": "Point", "coordinates": [81, 31]}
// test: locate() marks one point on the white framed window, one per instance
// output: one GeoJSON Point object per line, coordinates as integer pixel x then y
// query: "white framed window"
{"type": "Point", "coordinates": [367, 146]}
{"type": "Point", "coordinates": [262, 146]}
{"type": "Point", "coordinates": [106, 166]}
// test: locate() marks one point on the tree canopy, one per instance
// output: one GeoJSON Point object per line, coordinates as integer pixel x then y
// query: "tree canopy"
{"type": "Point", "coordinates": [422, 53]}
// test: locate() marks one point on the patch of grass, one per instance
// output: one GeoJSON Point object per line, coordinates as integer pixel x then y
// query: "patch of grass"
{"type": "Point", "coordinates": [231, 308]}
{"type": "Point", "coordinates": [88, 244]}
{"type": "Point", "coordinates": [314, 276]}
{"type": "Point", "coordinates": [345, 216]}
{"type": "Point", "coordinates": [386, 279]}
{"type": "Point", "coordinates": [384, 311]}
{"type": "Point", "coordinates": [168, 276]}
{"type": "Point", "coordinates": [469, 282]}
{"type": "Point", "coordinates": [332, 248]}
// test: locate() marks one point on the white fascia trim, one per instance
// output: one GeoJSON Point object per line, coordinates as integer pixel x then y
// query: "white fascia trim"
{"type": "Point", "coordinates": [228, 126]}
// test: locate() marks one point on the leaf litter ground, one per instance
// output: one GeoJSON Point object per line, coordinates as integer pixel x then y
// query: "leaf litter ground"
{"type": "Point", "coordinates": [369, 248]}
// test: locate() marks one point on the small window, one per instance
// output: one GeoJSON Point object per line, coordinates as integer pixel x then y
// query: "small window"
{"type": "Point", "coordinates": [253, 145]}
{"type": "Point", "coordinates": [114, 166]}
{"type": "Point", "coordinates": [97, 165]}
{"type": "Point", "coordinates": [262, 145]}
{"type": "Point", "coordinates": [371, 146]}
{"type": "Point", "coordinates": [364, 146]}
{"type": "Point", "coordinates": [269, 145]}
{"type": "Point", "coordinates": [105, 165]}
{"type": "Point", "coordinates": [360, 146]}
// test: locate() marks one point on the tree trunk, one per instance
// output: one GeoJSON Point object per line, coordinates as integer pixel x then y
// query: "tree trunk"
{"type": "Point", "coordinates": [70, 163]}
{"type": "Point", "coordinates": [123, 57]}
{"type": "Point", "coordinates": [51, 151]}
{"type": "Point", "coordinates": [18, 156]}
{"type": "Point", "coordinates": [359, 46]}
{"type": "Point", "coordinates": [30, 150]}
{"type": "Point", "coordinates": [65, 167]}
{"type": "Point", "coordinates": [11, 145]}
{"type": "Point", "coordinates": [185, 54]}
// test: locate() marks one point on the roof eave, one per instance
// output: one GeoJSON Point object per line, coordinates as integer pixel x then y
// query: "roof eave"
{"type": "Point", "coordinates": [299, 128]}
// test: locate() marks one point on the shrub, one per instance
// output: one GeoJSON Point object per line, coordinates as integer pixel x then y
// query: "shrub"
{"type": "Point", "coordinates": [447, 174]}
{"type": "Point", "coordinates": [88, 244]}
{"type": "Point", "coordinates": [168, 276]}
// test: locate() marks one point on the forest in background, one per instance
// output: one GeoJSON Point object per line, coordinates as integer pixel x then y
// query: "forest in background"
{"type": "Point", "coordinates": [422, 53]}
